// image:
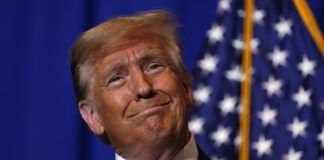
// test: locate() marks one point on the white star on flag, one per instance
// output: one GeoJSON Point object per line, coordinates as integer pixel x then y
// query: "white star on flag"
{"type": "Point", "coordinates": [320, 138]}
{"type": "Point", "coordinates": [292, 155]}
{"type": "Point", "coordinates": [216, 158]}
{"type": "Point", "coordinates": [216, 33]}
{"type": "Point", "coordinates": [235, 74]}
{"type": "Point", "coordinates": [278, 57]}
{"type": "Point", "coordinates": [258, 15]}
{"type": "Point", "coordinates": [208, 64]}
{"type": "Point", "coordinates": [307, 66]}
{"type": "Point", "coordinates": [239, 44]}
{"type": "Point", "coordinates": [272, 86]}
{"type": "Point", "coordinates": [302, 97]}
{"type": "Point", "coordinates": [221, 135]}
{"type": "Point", "coordinates": [201, 95]}
{"type": "Point", "coordinates": [255, 42]}
{"type": "Point", "coordinates": [196, 125]}
{"type": "Point", "coordinates": [224, 5]}
{"type": "Point", "coordinates": [263, 146]}
{"type": "Point", "coordinates": [239, 108]}
{"type": "Point", "coordinates": [227, 105]}
{"type": "Point", "coordinates": [297, 128]}
{"type": "Point", "coordinates": [268, 116]}
{"type": "Point", "coordinates": [237, 141]}
{"type": "Point", "coordinates": [283, 27]}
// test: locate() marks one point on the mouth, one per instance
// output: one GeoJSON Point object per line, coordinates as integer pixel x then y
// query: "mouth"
{"type": "Point", "coordinates": [149, 109]}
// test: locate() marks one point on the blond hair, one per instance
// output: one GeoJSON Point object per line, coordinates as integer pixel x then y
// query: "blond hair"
{"type": "Point", "coordinates": [119, 32]}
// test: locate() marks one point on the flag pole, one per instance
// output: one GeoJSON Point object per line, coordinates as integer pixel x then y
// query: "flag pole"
{"type": "Point", "coordinates": [246, 84]}
{"type": "Point", "coordinates": [310, 22]}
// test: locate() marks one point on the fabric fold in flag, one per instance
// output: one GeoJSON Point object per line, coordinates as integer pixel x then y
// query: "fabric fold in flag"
{"type": "Point", "coordinates": [287, 95]}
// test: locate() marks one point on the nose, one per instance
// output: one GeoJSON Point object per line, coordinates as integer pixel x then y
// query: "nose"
{"type": "Point", "coordinates": [140, 85]}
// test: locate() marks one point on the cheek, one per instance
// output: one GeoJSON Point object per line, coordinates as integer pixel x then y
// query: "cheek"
{"type": "Point", "coordinates": [113, 106]}
{"type": "Point", "coordinates": [173, 87]}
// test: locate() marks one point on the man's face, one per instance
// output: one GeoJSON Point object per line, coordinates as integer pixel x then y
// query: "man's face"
{"type": "Point", "coordinates": [140, 99]}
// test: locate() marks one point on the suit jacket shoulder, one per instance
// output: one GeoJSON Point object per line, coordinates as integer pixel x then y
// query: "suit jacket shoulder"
{"type": "Point", "coordinates": [201, 154]}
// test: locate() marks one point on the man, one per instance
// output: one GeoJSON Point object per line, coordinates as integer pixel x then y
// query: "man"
{"type": "Point", "coordinates": [133, 89]}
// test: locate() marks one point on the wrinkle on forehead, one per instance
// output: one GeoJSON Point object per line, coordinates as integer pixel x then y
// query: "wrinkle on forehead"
{"type": "Point", "coordinates": [132, 55]}
{"type": "Point", "coordinates": [133, 40]}
{"type": "Point", "coordinates": [137, 51]}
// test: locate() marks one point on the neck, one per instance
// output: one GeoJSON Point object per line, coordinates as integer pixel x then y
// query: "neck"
{"type": "Point", "coordinates": [159, 151]}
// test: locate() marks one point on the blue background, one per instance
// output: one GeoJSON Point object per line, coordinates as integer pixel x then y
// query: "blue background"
{"type": "Point", "coordinates": [38, 116]}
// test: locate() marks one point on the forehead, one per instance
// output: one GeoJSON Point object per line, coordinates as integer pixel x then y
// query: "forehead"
{"type": "Point", "coordinates": [135, 51]}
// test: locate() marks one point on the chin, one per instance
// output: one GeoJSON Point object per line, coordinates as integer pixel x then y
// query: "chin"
{"type": "Point", "coordinates": [158, 131]}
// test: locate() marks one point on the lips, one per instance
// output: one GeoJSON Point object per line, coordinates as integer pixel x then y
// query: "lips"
{"type": "Point", "coordinates": [147, 106]}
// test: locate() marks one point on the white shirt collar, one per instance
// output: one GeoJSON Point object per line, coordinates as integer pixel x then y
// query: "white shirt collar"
{"type": "Point", "coordinates": [189, 152]}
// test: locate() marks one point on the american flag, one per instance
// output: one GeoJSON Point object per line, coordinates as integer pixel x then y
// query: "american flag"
{"type": "Point", "coordinates": [287, 89]}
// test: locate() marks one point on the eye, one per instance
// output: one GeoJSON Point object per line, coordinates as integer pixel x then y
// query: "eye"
{"type": "Point", "coordinates": [155, 68]}
{"type": "Point", "coordinates": [115, 80]}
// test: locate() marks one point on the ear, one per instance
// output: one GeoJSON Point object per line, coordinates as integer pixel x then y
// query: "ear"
{"type": "Point", "coordinates": [91, 117]}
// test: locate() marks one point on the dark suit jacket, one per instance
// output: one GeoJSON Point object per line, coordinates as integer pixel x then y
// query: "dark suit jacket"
{"type": "Point", "coordinates": [201, 154]}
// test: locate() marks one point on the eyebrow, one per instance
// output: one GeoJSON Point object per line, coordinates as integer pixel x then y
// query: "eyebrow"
{"type": "Point", "coordinates": [115, 67]}
{"type": "Point", "coordinates": [145, 55]}
{"type": "Point", "coordinates": [150, 55]}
